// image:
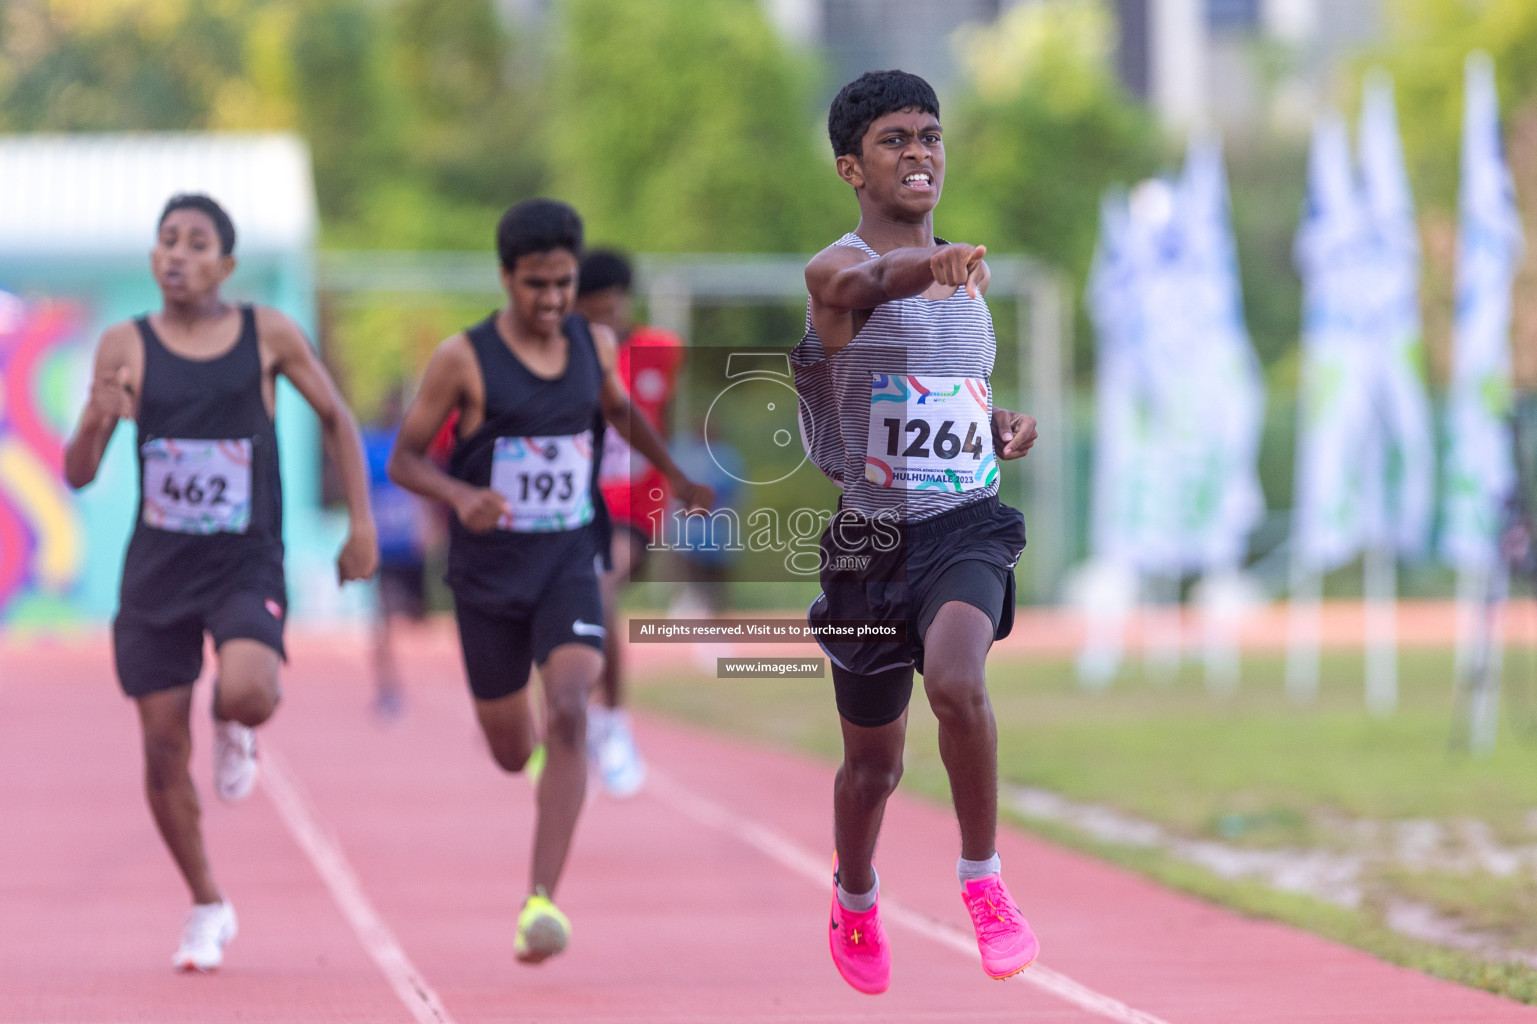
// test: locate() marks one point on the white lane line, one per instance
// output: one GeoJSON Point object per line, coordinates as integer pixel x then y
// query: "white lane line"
{"type": "Point", "coordinates": [331, 864]}
{"type": "Point", "coordinates": [818, 869]}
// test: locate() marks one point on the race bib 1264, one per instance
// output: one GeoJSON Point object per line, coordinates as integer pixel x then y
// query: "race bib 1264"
{"type": "Point", "coordinates": [930, 433]}
{"type": "Point", "coordinates": [547, 481]}
{"type": "Point", "coordinates": [197, 486]}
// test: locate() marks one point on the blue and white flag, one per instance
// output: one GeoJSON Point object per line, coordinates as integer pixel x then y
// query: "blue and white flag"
{"type": "Point", "coordinates": [1225, 500]}
{"type": "Point", "coordinates": [1398, 457]}
{"type": "Point", "coordinates": [1178, 393]}
{"type": "Point", "coordinates": [1333, 253]}
{"type": "Point", "coordinates": [1480, 467]}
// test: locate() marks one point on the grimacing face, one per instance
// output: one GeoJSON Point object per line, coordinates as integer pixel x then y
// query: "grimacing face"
{"type": "Point", "coordinates": [542, 289]}
{"type": "Point", "coordinates": [902, 166]}
{"type": "Point", "coordinates": [186, 260]}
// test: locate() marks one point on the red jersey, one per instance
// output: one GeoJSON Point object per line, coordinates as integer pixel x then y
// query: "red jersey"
{"type": "Point", "coordinates": [635, 490]}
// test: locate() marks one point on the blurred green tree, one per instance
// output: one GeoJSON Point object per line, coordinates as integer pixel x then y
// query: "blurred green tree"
{"type": "Point", "coordinates": [1426, 45]}
{"type": "Point", "coordinates": [686, 125]}
{"type": "Point", "coordinates": [1041, 129]}
{"type": "Point", "coordinates": [74, 65]}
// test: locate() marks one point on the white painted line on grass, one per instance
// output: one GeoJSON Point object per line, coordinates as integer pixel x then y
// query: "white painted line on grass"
{"type": "Point", "coordinates": [819, 870]}
{"type": "Point", "coordinates": [331, 864]}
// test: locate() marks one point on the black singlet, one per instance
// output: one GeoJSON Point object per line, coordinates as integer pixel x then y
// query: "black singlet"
{"type": "Point", "coordinates": [505, 568]}
{"type": "Point", "coordinates": [190, 545]}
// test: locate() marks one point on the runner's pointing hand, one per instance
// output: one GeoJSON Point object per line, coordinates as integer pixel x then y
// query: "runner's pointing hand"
{"type": "Point", "coordinates": [959, 264]}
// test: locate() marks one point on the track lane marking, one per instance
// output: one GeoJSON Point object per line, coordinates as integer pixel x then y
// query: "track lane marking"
{"type": "Point", "coordinates": [283, 788]}
{"type": "Point", "coordinates": [803, 862]}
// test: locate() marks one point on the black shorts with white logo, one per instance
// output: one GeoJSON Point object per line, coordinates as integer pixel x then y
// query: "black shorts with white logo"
{"type": "Point", "coordinates": [907, 572]}
{"type": "Point", "coordinates": [501, 644]}
{"type": "Point", "coordinates": [155, 655]}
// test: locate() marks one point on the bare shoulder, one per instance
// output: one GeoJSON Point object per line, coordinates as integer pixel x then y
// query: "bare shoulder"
{"type": "Point", "coordinates": [453, 361]}
{"type": "Point", "coordinates": [120, 339]}
{"type": "Point", "coordinates": [833, 259]}
{"type": "Point", "coordinates": [278, 332]}
{"type": "Point", "coordinates": [825, 267]}
{"type": "Point", "coordinates": [606, 343]}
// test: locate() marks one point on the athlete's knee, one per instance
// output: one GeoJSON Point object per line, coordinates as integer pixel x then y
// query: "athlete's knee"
{"type": "Point", "coordinates": [957, 694]}
{"type": "Point", "coordinates": [870, 780]}
{"type": "Point", "coordinates": [567, 720]}
{"type": "Point", "coordinates": [511, 755]}
{"type": "Point", "coordinates": [249, 702]}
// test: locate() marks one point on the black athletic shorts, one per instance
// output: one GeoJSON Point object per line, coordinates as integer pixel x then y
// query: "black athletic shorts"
{"type": "Point", "coordinates": [154, 656]}
{"type": "Point", "coordinates": [500, 645]}
{"type": "Point", "coordinates": [403, 589]}
{"type": "Point", "coordinates": [906, 573]}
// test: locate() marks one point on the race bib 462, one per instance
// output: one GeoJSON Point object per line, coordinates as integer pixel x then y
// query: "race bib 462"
{"type": "Point", "coordinates": [197, 486]}
{"type": "Point", "coordinates": [930, 433]}
{"type": "Point", "coordinates": [547, 481]}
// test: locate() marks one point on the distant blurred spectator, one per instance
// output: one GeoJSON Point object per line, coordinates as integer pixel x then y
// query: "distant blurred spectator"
{"type": "Point", "coordinates": [705, 560]}
{"type": "Point", "coordinates": [404, 524]}
{"type": "Point", "coordinates": [634, 491]}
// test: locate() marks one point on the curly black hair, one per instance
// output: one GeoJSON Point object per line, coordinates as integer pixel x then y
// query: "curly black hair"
{"type": "Point", "coordinates": [872, 95]}
{"type": "Point", "coordinates": [602, 269]}
{"type": "Point", "coordinates": [537, 225]}
{"type": "Point", "coordinates": [222, 225]}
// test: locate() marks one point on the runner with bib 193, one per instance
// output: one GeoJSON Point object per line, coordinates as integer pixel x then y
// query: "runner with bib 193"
{"type": "Point", "coordinates": [534, 388]}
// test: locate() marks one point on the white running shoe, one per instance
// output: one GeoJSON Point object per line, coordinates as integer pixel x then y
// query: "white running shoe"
{"type": "Point", "coordinates": [208, 930]}
{"type": "Point", "coordinates": [234, 760]}
{"type": "Point", "coordinates": [619, 763]}
{"type": "Point", "coordinates": [597, 732]}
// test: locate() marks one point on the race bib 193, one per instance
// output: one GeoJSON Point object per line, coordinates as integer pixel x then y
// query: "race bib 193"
{"type": "Point", "coordinates": [930, 433]}
{"type": "Point", "coordinates": [197, 486]}
{"type": "Point", "coordinates": [547, 481]}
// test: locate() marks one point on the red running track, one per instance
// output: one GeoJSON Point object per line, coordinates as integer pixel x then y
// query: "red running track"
{"type": "Point", "coordinates": [378, 871]}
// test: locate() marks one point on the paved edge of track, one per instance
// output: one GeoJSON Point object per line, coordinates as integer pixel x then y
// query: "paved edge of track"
{"type": "Point", "coordinates": [808, 865]}
{"type": "Point", "coordinates": [283, 789]}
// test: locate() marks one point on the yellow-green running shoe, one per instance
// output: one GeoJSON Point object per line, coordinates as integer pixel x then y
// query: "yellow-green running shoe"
{"type": "Point", "coordinates": [534, 766]}
{"type": "Point", "coordinates": [543, 930]}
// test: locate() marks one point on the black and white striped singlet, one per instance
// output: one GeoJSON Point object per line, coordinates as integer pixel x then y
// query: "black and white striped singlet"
{"type": "Point", "coordinates": [950, 338]}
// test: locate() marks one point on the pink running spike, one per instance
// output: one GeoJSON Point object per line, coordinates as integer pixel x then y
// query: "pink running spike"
{"type": "Point", "coordinates": [1004, 937]}
{"type": "Point", "coordinates": [858, 944]}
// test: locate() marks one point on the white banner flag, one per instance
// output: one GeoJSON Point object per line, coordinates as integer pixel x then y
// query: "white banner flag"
{"type": "Point", "coordinates": [1480, 470]}
{"type": "Point", "coordinates": [1335, 413]}
{"type": "Point", "coordinates": [1178, 391]}
{"type": "Point", "coordinates": [1225, 498]}
{"type": "Point", "coordinates": [1400, 462]}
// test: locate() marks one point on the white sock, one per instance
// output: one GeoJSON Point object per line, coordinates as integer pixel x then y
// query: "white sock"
{"type": "Point", "coordinates": [859, 902]}
{"type": "Point", "coordinates": [970, 870]}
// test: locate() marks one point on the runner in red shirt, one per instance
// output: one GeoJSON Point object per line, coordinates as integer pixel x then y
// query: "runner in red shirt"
{"type": "Point", "coordinates": [635, 491]}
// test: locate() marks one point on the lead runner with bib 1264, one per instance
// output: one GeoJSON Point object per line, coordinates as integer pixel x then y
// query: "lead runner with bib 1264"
{"type": "Point", "coordinates": [199, 379]}
{"type": "Point", "coordinates": [897, 409]}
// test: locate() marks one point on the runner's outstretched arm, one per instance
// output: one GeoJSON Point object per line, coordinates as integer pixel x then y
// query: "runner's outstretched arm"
{"type": "Point", "coordinates": [115, 377]}
{"type": "Point", "coordinates": [845, 278]}
{"type": "Point", "coordinates": [294, 358]}
{"type": "Point", "coordinates": [844, 282]}
{"type": "Point", "coordinates": [445, 386]}
{"type": "Point", "coordinates": [635, 429]}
